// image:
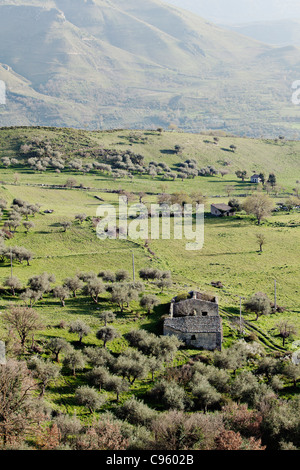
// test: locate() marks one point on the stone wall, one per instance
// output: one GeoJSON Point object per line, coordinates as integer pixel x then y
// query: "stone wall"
{"type": "Point", "coordinates": [195, 307]}
{"type": "Point", "coordinates": [196, 332]}
{"type": "Point", "coordinates": [208, 341]}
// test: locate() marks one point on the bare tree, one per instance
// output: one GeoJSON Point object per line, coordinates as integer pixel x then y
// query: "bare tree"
{"type": "Point", "coordinates": [18, 415]}
{"type": "Point", "coordinates": [286, 329]}
{"type": "Point", "coordinates": [24, 320]}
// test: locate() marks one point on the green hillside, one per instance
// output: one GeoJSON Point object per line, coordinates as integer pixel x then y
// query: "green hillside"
{"type": "Point", "coordinates": [52, 181]}
{"type": "Point", "coordinates": [230, 251]}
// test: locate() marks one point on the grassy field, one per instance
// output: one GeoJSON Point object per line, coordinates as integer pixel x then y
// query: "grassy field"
{"type": "Point", "coordinates": [230, 253]}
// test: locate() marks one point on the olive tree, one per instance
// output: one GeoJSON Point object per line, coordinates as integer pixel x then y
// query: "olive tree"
{"type": "Point", "coordinates": [45, 372]}
{"type": "Point", "coordinates": [107, 316]}
{"type": "Point", "coordinates": [81, 328]}
{"type": "Point", "coordinates": [205, 394]}
{"type": "Point", "coordinates": [149, 302]}
{"type": "Point", "coordinates": [13, 283]}
{"type": "Point", "coordinates": [89, 397]}
{"type": "Point", "coordinates": [107, 334]}
{"type": "Point", "coordinates": [73, 284]}
{"type": "Point", "coordinates": [116, 384]}
{"type": "Point", "coordinates": [58, 346]}
{"type": "Point", "coordinates": [41, 283]}
{"type": "Point", "coordinates": [98, 376]}
{"type": "Point", "coordinates": [61, 293]}
{"type": "Point", "coordinates": [123, 294]}
{"type": "Point", "coordinates": [260, 205]}
{"type": "Point", "coordinates": [74, 360]}
{"type": "Point", "coordinates": [259, 304]}
{"type": "Point", "coordinates": [94, 287]}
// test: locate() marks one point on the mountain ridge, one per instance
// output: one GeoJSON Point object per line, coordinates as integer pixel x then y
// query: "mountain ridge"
{"type": "Point", "coordinates": [106, 64]}
{"type": "Point", "coordinates": [277, 33]}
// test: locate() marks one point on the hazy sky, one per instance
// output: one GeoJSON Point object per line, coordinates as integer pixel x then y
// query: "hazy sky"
{"type": "Point", "coordinates": [241, 11]}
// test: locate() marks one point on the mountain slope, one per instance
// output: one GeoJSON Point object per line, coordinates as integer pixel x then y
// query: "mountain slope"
{"type": "Point", "coordinates": [102, 64]}
{"type": "Point", "coordinates": [278, 33]}
{"type": "Point", "coordinates": [241, 11]}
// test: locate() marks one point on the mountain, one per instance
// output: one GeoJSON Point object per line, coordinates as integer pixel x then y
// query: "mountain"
{"type": "Point", "coordinates": [110, 64]}
{"type": "Point", "coordinates": [278, 33]}
{"type": "Point", "coordinates": [241, 11]}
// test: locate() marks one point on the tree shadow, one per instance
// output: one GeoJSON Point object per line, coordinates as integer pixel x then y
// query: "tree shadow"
{"type": "Point", "coordinates": [168, 152]}
{"type": "Point", "coordinates": [155, 324]}
{"type": "Point", "coordinates": [226, 150]}
{"type": "Point", "coordinates": [211, 255]}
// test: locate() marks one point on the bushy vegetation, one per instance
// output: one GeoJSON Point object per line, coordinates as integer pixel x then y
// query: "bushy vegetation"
{"type": "Point", "coordinates": [240, 387]}
{"type": "Point", "coordinates": [89, 365]}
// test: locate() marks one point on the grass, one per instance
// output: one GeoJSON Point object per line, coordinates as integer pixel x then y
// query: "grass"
{"type": "Point", "coordinates": [230, 253]}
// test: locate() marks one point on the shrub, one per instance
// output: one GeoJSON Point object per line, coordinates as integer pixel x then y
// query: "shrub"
{"type": "Point", "coordinates": [89, 397]}
{"type": "Point", "coordinates": [171, 395]}
{"type": "Point", "coordinates": [136, 412]}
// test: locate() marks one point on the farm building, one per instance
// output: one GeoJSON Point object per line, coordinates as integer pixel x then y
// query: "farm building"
{"type": "Point", "coordinates": [255, 179]}
{"type": "Point", "coordinates": [221, 210]}
{"type": "Point", "coordinates": [196, 321]}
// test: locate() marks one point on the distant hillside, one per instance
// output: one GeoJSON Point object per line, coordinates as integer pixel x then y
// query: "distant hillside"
{"type": "Point", "coordinates": [109, 64]}
{"type": "Point", "coordinates": [278, 33]}
{"type": "Point", "coordinates": [253, 155]}
{"type": "Point", "coordinates": [241, 11]}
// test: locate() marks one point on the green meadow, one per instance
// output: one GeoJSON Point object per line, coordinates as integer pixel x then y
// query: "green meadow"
{"type": "Point", "coordinates": [230, 253]}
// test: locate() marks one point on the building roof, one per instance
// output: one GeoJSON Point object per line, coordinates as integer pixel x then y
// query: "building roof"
{"type": "Point", "coordinates": [255, 176]}
{"type": "Point", "coordinates": [222, 207]}
{"type": "Point", "coordinates": [204, 297]}
{"type": "Point", "coordinates": [195, 324]}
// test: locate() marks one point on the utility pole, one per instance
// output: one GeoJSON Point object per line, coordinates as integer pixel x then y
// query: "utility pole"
{"type": "Point", "coordinates": [133, 270]}
{"type": "Point", "coordinates": [275, 295]}
{"type": "Point", "coordinates": [11, 264]}
{"type": "Point", "coordinates": [240, 315]}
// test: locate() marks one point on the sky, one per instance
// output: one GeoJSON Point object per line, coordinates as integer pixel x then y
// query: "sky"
{"type": "Point", "coordinates": [241, 11]}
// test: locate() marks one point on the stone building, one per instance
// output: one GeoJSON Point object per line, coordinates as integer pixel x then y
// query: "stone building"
{"type": "Point", "coordinates": [255, 179]}
{"type": "Point", "coordinates": [221, 210]}
{"type": "Point", "coordinates": [196, 321]}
